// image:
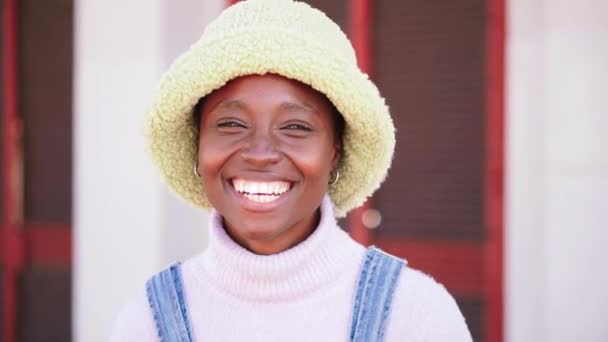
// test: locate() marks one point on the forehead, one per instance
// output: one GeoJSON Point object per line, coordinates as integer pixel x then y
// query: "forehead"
{"type": "Point", "coordinates": [268, 88]}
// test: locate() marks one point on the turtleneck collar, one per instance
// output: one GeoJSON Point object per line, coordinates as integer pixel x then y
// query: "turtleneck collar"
{"type": "Point", "coordinates": [302, 269]}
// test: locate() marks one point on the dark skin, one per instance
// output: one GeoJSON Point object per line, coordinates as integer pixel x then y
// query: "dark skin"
{"type": "Point", "coordinates": [273, 131]}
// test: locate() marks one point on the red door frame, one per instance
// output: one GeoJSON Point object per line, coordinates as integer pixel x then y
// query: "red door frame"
{"type": "Point", "coordinates": [494, 169]}
{"type": "Point", "coordinates": [22, 243]}
{"type": "Point", "coordinates": [12, 242]}
{"type": "Point", "coordinates": [490, 282]}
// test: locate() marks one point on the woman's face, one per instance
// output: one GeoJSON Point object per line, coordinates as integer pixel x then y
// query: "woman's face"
{"type": "Point", "coordinates": [266, 150]}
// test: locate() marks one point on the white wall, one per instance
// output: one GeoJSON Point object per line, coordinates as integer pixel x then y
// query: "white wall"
{"type": "Point", "coordinates": [183, 23]}
{"type": "Point", "coordinates": [127, 224]}
{"type": "Point", "coordinates": [557, 171]}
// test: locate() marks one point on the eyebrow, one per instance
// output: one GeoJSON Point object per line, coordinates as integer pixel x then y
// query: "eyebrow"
{"type": "Point", "coordinates": [286, 105]}
{"type": "Point", "coordinates": [230, 104]}
{"type": "Point", "coordinates": [292, 106]}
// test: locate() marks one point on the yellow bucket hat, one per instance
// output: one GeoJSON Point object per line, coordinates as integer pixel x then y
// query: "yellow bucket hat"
{"type": "Point", "coordinates": [290, 39]}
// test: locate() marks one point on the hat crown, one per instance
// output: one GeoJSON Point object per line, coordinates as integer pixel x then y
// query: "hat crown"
{"type": "Point", "coordinates": [295, 18]}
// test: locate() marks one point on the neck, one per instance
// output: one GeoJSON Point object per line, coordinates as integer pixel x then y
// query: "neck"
{"type": "Point", "coordinates": [284, 240]}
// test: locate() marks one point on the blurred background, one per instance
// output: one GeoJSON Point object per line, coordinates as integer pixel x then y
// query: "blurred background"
{"type": "Point", "coordinates": [499, 187]}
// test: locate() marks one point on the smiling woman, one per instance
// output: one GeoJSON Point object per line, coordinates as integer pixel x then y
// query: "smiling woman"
{"type": "Point", "coordinates": [266, 150]}
{"type": "Point", "coordinates": [284, 133]}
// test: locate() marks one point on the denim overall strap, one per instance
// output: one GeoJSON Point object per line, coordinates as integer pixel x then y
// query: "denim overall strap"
{"type": "Point", "coordinates": [167, 301]}
{"type": "Point", "coordinates": [373, 296]}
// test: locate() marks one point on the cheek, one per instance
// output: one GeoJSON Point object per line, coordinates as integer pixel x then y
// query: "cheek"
{"type": "Point", "coordinates": [211, 158]}
{"type": "Point", "coordinates": [315, 162]}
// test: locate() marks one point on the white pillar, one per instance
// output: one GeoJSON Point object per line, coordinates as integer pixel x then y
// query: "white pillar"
{"type": "Point", "coordinates": [557, 179]}
{"type": "Point", "coordinates": [127, 224]}
{"type": "Point", "coordinates": [577, 171]}
{"type": "Point", "coordinates": [184, 22]}
{"type": "Point", "coordinates": [524, 183]}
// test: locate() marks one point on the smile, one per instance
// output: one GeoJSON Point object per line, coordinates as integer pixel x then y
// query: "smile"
{"type": "Point", "coordinates": [259, 191]}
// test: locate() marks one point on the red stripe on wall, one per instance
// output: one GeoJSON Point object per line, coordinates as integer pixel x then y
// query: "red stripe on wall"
{"type": "Point", "coordinates": [494, 182]}
{"type": "Point", "coordinates": [360, 32]}
{"type": "Point", "coordinates": [456, 265]}
{"type": "Point", "coordinates": [48, 244]}
{"type": "Point", "coordinates": [360, 12]}
{"type": "Point", "coordinates": [40, 244]}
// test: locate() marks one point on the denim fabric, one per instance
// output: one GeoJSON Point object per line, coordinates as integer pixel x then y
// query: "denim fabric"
{"type": "Point", "coordinates": [373, 295]}
{"type": "Point", "coordinates": [166, 298]}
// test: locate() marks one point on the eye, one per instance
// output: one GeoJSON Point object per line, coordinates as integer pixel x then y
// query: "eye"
{"type": "Point", "coordinates": [231, 123]}
{"type": "Point", "coordinates": [297, 126]}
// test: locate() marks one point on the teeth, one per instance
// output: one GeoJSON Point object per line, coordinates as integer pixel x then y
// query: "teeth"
{"type": "Point", "coordinates": [263, 189]}
{"type": "Point", "coordinates": [261, 198]}
{"type": "Point", "coordinates": [253, 188]}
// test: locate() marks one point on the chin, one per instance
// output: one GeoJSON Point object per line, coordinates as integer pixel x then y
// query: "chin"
{"type": "Point", "coordinates": [258, 233]}
{"type": "Point", "coordinates": [259, 228]}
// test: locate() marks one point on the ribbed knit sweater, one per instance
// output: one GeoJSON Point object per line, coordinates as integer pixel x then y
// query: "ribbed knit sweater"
{"type": "Point", "coordinates": [302, 294]}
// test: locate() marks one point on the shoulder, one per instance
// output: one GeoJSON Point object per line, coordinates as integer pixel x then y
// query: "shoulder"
{"type": "Point", "coordinates": [424, 310]}
{"type": "Point", "coordinates": [134, 321]}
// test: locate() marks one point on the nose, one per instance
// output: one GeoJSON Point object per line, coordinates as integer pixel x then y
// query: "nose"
{"type": "Point", "coordinates": [261, 150]}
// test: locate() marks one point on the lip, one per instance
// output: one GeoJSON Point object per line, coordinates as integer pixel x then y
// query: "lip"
{"type": "Point", "coordinates": [259, 207]}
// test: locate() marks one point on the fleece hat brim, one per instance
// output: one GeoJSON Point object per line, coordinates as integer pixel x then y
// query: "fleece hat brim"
{"type": "Point", "coordinates": [281, 37]}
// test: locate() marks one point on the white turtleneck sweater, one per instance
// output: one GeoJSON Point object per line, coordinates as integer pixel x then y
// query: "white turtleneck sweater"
{"type": "Point", "coordinates": [302, 294]}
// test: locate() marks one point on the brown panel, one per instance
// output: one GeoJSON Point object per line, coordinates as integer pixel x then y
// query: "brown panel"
{"type": "Point", "coordinates": [337, 10]}
{"type": "Point", "coordinates": [429, 62]}
{"type": "Point", "coordinates": [473, 309]}
{"type": "Point", "coordinates": [46, 106]}
{"type": "Point", "coordinates": [458, 266]}
{"type": "Point", "coordinates": [45, 305]}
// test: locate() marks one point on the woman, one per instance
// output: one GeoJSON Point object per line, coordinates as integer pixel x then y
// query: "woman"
{"type": "Point", "coordinates": [268, 120]}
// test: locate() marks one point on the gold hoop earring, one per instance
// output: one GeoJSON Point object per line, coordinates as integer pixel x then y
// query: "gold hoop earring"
{"type": "Point", "coordinates": [196, 170]}
{"type": "Point", "coordinates": [334, 176]}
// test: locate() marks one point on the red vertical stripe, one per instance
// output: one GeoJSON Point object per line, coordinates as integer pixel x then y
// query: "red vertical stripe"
{"type": "Point", "coordinates": [12, 250]}
{"type": "Point", "coordinates": [360, 32]}
{"type": "Point", "coordinates": [9, 117]}
{"type": "Point", "coordinates": [360, 12]}
{"type": "Point", "coordinates": [494, 181]}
